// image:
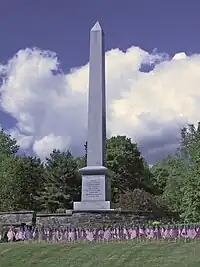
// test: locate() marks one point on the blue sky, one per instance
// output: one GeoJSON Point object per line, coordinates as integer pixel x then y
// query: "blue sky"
{"type": "Point", "coordinates": [63, 27]}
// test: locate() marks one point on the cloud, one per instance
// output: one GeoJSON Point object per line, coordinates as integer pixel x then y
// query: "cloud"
{"type": "Point", "coordinates": [45, 146]}
{"type": "Point", "coordinates": [50, 106]}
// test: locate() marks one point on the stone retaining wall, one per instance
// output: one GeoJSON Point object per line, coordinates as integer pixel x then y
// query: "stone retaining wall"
{"type": "Point", "coordinates": [99, 218]}
{"type": "Point", "coordinates": [94, 218]}
{"type": "Point", "coordinates": [54, 220]}
{"type": "Point", "coordinates": [17, 218]}
{"type": "Point", "coordinates": [77, 218]}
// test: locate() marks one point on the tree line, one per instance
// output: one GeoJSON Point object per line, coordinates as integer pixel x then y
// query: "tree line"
{"type": "Point", "coordinates": [170, 185]}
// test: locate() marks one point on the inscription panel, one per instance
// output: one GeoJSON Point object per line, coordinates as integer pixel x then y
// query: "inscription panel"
{"type": "Point", "coordinates": [93, 187]}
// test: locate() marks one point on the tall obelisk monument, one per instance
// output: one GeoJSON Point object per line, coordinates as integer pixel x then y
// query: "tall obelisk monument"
{"type": "Point", "coordinates": [95, 182]}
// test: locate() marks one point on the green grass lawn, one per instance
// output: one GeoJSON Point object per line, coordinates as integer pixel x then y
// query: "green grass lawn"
{"type": "Point", "coordinates": [124, 254]}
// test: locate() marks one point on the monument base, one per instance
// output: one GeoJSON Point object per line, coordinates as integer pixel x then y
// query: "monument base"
{"type": "Point", "coordinates": [95, 189]}
{"type": "Point", "coordinates": [92, 205]}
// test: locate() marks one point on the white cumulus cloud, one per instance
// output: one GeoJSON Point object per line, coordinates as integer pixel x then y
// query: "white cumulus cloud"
{"type": "Point", "coordinates": [50, 106]}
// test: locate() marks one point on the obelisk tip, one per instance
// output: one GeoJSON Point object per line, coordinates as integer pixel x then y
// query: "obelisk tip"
{"type": "Point", "coordinates": [96, 27]}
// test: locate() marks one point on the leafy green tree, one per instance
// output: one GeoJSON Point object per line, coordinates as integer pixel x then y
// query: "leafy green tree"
{"type": "Point", "coordinates": [160, 177]}
{"type": "Point", "coordinates": [140, 200]}
{"type": "Point", "coordinates": [8, 145]}
{"type": "Point", "coordinates": [21, 178]}
{"type": "Point", "coordinates": [127, 166]}
{"type": "Point", "coordinates": [189, 149]}
{"type": "Point", "coordinates": [177, 177]}
{"type": "Point", "coordinates": [30, 179]}
{"type": "Point", "coordinates": [80, 162]}
{"type": "Point", "coordinates": [190, 206]}
{"type": "Point", "coordinates": [8, 169]}
{"type": "Point", "coordinates": [173, 191]}
{"type": "Point", "coordinates": [63, 182]}
{"type": "Point", "coordinates": [9, 190]}
{"type": "Point", "coordinates": [190, 152]}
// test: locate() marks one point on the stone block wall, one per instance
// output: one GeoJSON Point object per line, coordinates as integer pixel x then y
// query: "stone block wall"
{"type": "Point", "coordinates": [54, 220]}
{"type": "Point", "coordinates": [17, 218]}
{"type": "Point", "coordinates": [92, 218]}
{"type": "Point", "coordinates": [76, 218]}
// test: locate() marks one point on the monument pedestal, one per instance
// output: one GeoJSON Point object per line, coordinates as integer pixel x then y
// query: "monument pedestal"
{"type": "Point", "coordinates": [92, 205]}
{"type": "Point", "coordinates": [95, 189]}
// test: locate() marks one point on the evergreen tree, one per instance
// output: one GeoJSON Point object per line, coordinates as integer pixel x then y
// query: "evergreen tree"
{"type": "Point", "coordinates": [63, 182]}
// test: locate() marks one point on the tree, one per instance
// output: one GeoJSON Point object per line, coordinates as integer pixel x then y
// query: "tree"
{"type": "Point", "coordinates": [140, 200]}
{"type": "Point", "coordinates": [177, 177]}
{"type": "Point", "coordinates": [190, 205]}
{"type": "Point", "coordinates": [173, 191]}
{"type": "Point", "coordinates": [30, 179]}
{"type": "Point", "coordinates": [190, 152]}
{"type": "Point", "coordinates": [128, 169]}
{"type": "Point", "coordinates": [8, 145]}
{"type": "Point", "coordinates": [160, 176]}
{"type": "Point", "coordinates": [21, 178]}
{"type": "Point", "coordinates": [165, 170]}
{"type": "Point", "coordinates": [9, 190]}
{"type": "Point", "coordinates": [168, 179]}
{"type": "Point", "coordinates": [8, 168]}
{"type": "Point", "coordinates": [63, 182]}
{"type": "Point", "coordinates": [189, 149]}
{"type": "Point", "coordinates": [80, 162]}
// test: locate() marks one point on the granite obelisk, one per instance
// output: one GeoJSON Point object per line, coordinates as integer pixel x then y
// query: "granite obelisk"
{"type": "Point", "coordinates": [95, 182]}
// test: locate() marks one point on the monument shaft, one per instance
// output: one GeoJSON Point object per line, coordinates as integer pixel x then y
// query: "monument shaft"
{"type": "Point", "coordinates": [96, 105]}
